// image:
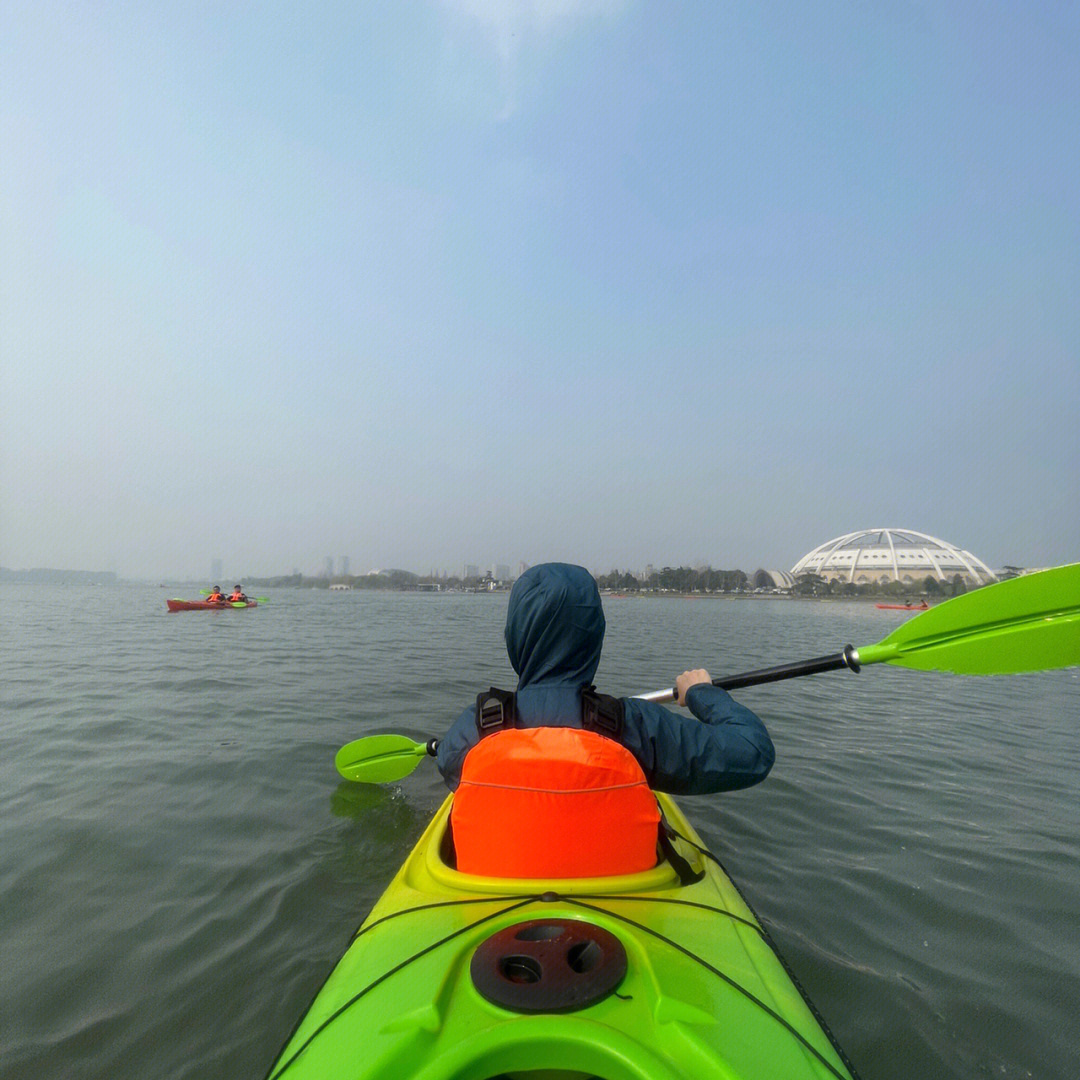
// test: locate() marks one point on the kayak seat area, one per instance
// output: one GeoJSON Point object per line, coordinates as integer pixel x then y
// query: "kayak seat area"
{"type": "Point", "coordinates": [552, 803]}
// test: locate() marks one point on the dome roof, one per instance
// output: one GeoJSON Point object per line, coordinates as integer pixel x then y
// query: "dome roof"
{"type": "Point", "coordinates": [876, 555]}
{"type": "Point", "coordinates": [772, 579]}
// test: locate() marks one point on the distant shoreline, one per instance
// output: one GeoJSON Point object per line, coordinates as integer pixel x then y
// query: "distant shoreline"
{"type": "Point", "coordinates": [88, 579]}
{"type": "Point", "coordinates": [47, 576]}
{"type": "Point", "coordinates": [399, 581]}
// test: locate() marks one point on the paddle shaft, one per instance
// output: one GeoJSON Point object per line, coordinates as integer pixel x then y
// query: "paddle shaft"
{"type": "Point", "coordinates": [848, 658]}
{"type": "Point", "coordinates": [366, 759]}
{"type": "Point", "coordinates": [409, 756]}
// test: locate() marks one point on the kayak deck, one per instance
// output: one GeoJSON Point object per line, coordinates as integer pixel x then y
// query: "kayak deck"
{"type": "Point", "coordinates": [704, 993]}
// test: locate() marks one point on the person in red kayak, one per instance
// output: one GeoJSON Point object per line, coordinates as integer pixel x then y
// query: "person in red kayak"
{"type": "Point", "coordinates": [215, 596]}
{"type": "Point", "coordinates": [237, 596]}
{"type": "Point", "coordinates": [554, 780]}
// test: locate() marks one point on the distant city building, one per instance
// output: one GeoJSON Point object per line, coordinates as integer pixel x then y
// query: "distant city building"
{"type": "Point", "coordinates": [500, 571]}
{"type": "Point", "coordinates": [522, 567]}
{"type": "Point", "coordinates": [329, 565]}
{"type": "Point", "coordinates": [470, 571]}
{"type": "Point", "coordinates": [215, 570]}
{"type": "Point", "coordinates": [878, 556]}
{"type": "Point", "coordinates": [344, 565]}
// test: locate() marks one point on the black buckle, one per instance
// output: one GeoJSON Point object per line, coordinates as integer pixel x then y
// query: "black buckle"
{"type": "Point", "coordinates": [601, 713]}
{"type": "Point", "coordinates": [494, 711]}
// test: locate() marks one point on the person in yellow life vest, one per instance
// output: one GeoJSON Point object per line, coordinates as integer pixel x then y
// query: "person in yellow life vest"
{"type": "Point", "coordinates": [215, 596]}
{"type": "Point", "coordinates": [237, 596]}
{"type": "Point", "coordinates": [554, 780]}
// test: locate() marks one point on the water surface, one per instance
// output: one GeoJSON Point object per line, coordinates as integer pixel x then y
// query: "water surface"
{"type": "Point", "coordinates": [180, 865]}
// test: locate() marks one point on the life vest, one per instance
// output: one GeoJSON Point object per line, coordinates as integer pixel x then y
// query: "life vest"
{"type": "Point", "coordinates": [216, 598]}
{"type": "Point", "coordinates": [551, 802]}
{"type": "Point", "coordinates": [237, 597]}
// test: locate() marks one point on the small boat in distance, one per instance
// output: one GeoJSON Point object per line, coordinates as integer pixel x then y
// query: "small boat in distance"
{"type": "Point", "coordinates": [206, 605]}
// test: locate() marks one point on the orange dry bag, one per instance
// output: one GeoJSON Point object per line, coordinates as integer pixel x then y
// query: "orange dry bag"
{"type": "Point", "coordinates": [553, 803]}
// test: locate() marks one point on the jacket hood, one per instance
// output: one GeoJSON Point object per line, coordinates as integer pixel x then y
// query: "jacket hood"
{"type": "Point", "coordinates": [555, 625]}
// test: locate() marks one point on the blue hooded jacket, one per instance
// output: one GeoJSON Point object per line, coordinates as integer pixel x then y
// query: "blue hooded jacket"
{"type": "Point", "coordinates": [554, 634]}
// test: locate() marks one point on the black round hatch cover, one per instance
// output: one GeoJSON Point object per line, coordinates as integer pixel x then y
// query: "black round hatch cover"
{"type": "Point", "coordinates": [548, 965]}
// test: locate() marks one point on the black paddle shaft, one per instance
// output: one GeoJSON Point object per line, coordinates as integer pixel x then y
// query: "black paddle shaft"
{"type": "Point", "coordinates": [849, 658]}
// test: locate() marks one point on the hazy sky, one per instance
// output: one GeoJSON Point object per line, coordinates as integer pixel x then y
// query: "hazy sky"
{"type": "Point", "coordinates": [476, 280]}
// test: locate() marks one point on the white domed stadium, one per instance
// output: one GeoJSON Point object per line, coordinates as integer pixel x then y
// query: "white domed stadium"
{"type": "Point", "coordinates": [878, 556]}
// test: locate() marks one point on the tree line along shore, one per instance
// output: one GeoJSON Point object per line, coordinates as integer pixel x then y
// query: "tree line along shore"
{"type": "Point", "coordinates": [681, 580]}
{"type": "Point", "coordinates": [670, 580]}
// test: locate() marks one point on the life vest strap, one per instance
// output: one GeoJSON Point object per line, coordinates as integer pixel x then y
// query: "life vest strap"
{"type": "Point", "coordinates": [496, 710]}
{"type": "Point", "coordinates": [601, 713]}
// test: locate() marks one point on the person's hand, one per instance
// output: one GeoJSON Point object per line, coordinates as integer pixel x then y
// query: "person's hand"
{"type": "Point", "coordinates": [688, 679]}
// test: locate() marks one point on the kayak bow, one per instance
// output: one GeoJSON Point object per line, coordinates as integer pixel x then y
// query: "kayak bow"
{"type": "Point", "coordinates": [661, 975]}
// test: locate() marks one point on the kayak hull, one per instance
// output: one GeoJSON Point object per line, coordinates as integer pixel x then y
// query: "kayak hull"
{"type": "Point", "coordinates": [702, 993]}
{"type": "Point", "coordinates": [903, 607]}
{"type": "Point", "coordinates": [205, 605]}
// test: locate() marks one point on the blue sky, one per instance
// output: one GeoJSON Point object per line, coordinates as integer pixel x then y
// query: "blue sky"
{"type": "Point", "coordinates": [466, 281]}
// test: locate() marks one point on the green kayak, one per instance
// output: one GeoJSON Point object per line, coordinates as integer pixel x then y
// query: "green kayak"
{"type": "Point", "coordinates": [661, 975]}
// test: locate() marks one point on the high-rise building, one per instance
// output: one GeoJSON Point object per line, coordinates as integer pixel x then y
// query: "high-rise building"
{"type": "Point", "coordinates": [344, 565]}
{"type": "Point", "coordinates": [329, 565]}
{"type": "Point", "coordinates": [470, 570]}
{"type": "Point", "coordinates": [215, 570]}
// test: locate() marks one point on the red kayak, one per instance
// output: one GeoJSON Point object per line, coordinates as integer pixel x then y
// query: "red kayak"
{"type": "Point", "coordinates": [904, 607]}
{"type": "Point", "coordinates": [206, 605]}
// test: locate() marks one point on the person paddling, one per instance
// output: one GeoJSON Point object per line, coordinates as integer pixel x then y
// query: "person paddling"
{"type": "Point", "coordinates": [215, 596]}
{"type": "Point", "coordinates": [562, 774]}
{"type": "Point", "coordinates": [237, 596]}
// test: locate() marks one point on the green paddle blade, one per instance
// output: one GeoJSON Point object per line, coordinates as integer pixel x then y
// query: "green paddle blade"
{"type": "Point", "coordinates": [379, 759]}
{"type": "Point", "coordinates": [1029, 623]}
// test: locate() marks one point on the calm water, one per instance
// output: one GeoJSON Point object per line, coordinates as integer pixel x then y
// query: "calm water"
{"type": "Point", "coordinates": [180, 864]}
